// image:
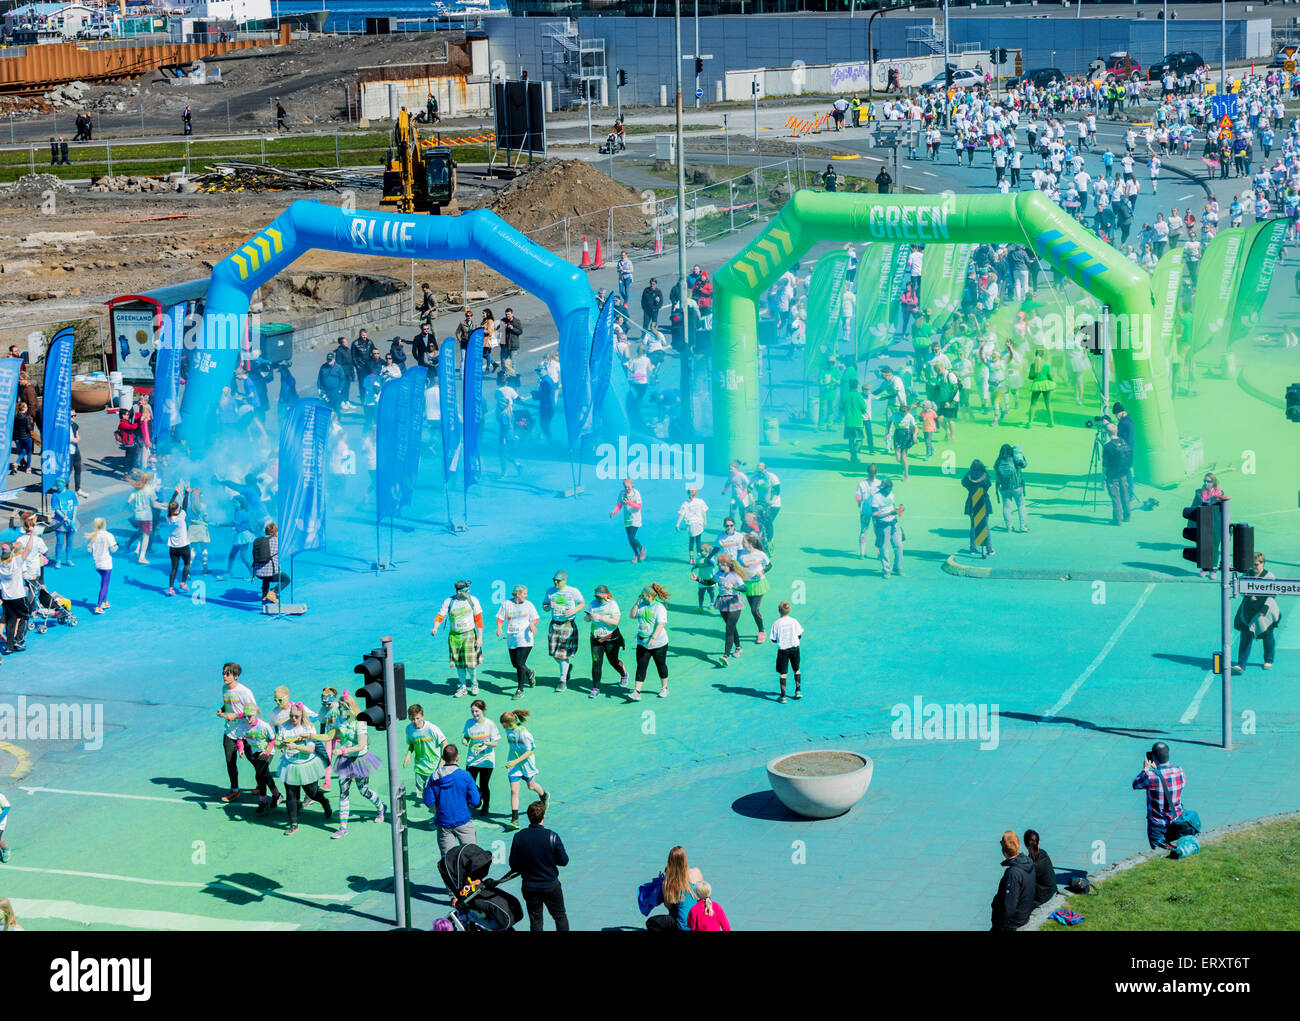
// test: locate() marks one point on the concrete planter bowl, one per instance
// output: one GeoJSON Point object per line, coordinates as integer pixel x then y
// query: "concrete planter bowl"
{"type": "Point", "coordinates": [820, 784]}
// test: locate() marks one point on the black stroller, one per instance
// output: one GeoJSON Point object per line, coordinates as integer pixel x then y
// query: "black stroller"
{"type": "Point", "coordinates": [478, 905]}
{"type": "Point", "coordinates": [614, 143]}
{"type": "Point", "coordinates": [48, 608]}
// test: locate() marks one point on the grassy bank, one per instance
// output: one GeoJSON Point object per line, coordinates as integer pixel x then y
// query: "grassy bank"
{"type": "Point", "coordinates": [1247, 880]}
{"type": "Point", "coordinates": [292, 152]}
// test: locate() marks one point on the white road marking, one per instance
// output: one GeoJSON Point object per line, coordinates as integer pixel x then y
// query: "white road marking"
{"type": "Point", "coordinates": [534, 350]}
{"type": "Point", "coordinates": [104, 794]}
{"type": "Point", "coordinates": [927, 173]}
{"type": "Point", "coordinates": [183, 884]}
{"type": "Point", "coordinates": [1195, 706]}
{"type": "Point", "coordinates": [135, 918]}
{"type": "Point", "coordinates": [1073, 689]}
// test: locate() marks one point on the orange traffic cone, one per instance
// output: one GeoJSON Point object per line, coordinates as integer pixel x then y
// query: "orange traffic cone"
{"type": "Point", "coordinates": [599, 262]}
{"type": "Point", "coordinates": [586, 254]}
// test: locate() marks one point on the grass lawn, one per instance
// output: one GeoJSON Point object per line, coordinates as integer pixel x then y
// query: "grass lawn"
{"type": "Point", "coordinates": [293, 152]}
{"type": "Point", "coordinates": [1247, 880]}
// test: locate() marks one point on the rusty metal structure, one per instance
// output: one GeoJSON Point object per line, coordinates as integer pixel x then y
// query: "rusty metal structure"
{"type": "Point", "coordinates": [28, 69]}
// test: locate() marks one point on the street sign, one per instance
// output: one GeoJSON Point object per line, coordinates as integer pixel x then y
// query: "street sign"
{"type": "Point", "coordinates": [699, 92]}
{"type": "Point", "coordinates": [1268, 586]}
{"type": "Point", "coordinates": [1223, 106]}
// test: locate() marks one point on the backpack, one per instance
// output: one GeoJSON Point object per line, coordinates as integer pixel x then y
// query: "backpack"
{"type": "Point", "coordinates": [262, 549]}
{"type": "Point", "coordinates": [1006, 474]}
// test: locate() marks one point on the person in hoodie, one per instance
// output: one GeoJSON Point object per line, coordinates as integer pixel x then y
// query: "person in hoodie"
{"type": "Point", "coordinates": [1044, 872]}
{"type": "Point", "coordinates": [332, 383]}
{"type": "Point", "coordinates": [1015, 897]}
{"type": "Point", "coordinates": [451, 793]}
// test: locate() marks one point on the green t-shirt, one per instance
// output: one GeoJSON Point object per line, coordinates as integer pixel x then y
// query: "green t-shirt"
{"type": "Point", "coordinates": [855, 408]}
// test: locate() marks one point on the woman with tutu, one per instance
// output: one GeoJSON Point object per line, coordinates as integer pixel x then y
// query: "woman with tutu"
{"type": "Point", "coordinates": [353, 762]}
{"type": "Point", "coordinates": [301, 769]}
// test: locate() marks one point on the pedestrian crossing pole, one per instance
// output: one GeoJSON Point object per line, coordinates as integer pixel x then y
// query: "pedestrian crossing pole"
{"type": "Point", "coordinates": [401, 881]}
{"type": "Point", "coordinates": [1225, 592]}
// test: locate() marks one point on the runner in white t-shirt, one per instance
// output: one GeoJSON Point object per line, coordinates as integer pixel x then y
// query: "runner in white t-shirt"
{"type": "Point", "coordinates": [786, 633]}
{"type": "Point", "coordinates": [692, 511]}
{"type": "Point", "coordinates": [519, 618]}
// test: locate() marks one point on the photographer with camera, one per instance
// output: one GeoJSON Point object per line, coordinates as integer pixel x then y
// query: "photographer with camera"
{"type": "Point", "coordinates": [1163, 782]}
{"type": "Point", "coordinates": [1128, 433]}
{"type": "Point", "coordinates": [1116, 462]}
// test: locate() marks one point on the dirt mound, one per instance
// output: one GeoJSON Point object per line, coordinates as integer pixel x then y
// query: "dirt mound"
{"type": "Point", "coordinates": [540, 199]}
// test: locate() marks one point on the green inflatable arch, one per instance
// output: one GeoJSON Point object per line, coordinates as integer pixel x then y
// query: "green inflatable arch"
{"type": "Point", "coordinates": [1028, 218]}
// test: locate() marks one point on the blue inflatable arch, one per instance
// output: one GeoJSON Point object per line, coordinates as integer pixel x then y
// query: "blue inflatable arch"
{"type": "Point", "coordinates": [479, 235]}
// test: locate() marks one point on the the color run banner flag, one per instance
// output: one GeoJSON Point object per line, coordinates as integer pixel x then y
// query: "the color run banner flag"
{"type": "Point", "coordinates": [878, 292]}
{"type": "Point", "coordinates": [9, 369]}
{"type": "Point", "coordinates": [167, 373]}
{"type": "Point", "coordinates": [1214, 286]}
{"type": "Point", "coordinates": [943, 280]}
{"type": "Point", "coordinates": [399, 430]}
{"type": "Point", "coordinates": [1261, 251]}
{"type": "Point", "coordinates": [56, 418]}
{"type": "Point", "coordinates": [473, 408]}
{"type": "Point", "coordinates": [601, 362]}
{"type": "Point", "coordinates": [449, 413]}
{"type": "Point", "coordinates": [1166, 280]}
{"type": "Point", "coordinates": [868, 297]}
{"type": "Point", "coordinates": [825, 302]}
{"type": "Point", "coordinates": [575, 376]}
{"type": "Point", "coordinates": [302, 477]}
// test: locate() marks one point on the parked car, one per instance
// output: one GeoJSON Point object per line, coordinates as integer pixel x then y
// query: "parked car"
{"type": "Point", "coordinates": [1039, 77]}
{"type": "Point", "coordinates": [1121, 67]}
{"type": "Point", "coordinates": [1180, 63]}
{"type": "Point", "coordinates": [962, 78]}
{"type": "Point", "coordinates": [96, 32]}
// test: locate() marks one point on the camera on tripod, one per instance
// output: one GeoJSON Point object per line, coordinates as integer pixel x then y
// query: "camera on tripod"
{"type": "Point", "coordinates": [1099, 423]}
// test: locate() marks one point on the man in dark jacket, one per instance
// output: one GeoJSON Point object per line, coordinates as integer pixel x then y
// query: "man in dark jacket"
{"type": "Point", "coordinates": [451, 793]}
{"type": "Point", "coordinates": [510, 329]}
{"type": "Point", "coordinates": [652, 300]}
{"type": "Point", "coordinates": [343, 359]}
{"type": "Point", "coordinates": [1014, 900]}
{"type": "Point", "coordinates": [331, 382]}
{"type": "Point", "coordinates": [537, 854]}
{"type": "Point", "coordinates": [423, 344]}
{"type": "Point", "coordinates": [884, 180]}
{"type": "Point", "coordinates": [362, 349]}
{"type": "Point", "coordinates": [1116, 460]}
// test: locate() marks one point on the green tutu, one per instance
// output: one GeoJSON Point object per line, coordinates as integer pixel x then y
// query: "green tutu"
{"type": "Point", "coordinates": [757, 586]}
{"type": "Point", "coordinates": [300, 772]}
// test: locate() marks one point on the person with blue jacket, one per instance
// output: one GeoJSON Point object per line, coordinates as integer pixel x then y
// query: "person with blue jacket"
{"type": "Point", "coordinates": [451, 793]}
{"type": "Point", "coordinates": [63, 510]}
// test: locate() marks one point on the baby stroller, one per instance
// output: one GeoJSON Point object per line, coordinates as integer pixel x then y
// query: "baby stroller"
{"type": "Point", "coordinates": [478, 905]}
{"type": "Point", "coordinates": [614, 143]}
{"type": "Point", "coordinates": [48, 608]}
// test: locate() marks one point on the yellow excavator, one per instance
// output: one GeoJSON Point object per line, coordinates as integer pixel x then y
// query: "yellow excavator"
{"type": "Point", "coordinates": [418, 177]}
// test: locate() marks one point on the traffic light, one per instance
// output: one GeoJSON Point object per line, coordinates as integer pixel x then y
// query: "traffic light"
{"type": "Point", "coordinates": [947, 75]}
{"type": "Point", "coordinates": [1293, 402]}
{"type": "Point", "coordinates": [372, 692]}
{"type": "Point", "coordinates": [993, 56]}
{"type": "Point", "coordinates": [1002, 55]}
{"type": "Point", "coordinates": [1200, 532]}
{"type": "Point", "coordinates": [1243, 549]}
{"type": "Point", "coordinates": [699, 66]}
{"type": "Point", "coordinates": [622, 77]}
{"type": "Point", "coordinates": [875, 53]}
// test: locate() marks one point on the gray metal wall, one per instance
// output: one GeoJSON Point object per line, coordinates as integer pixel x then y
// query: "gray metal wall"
{"type": "Point", "coordinates": [644, 46]}
{"type": "Point", "coordinates": [1071, 43]}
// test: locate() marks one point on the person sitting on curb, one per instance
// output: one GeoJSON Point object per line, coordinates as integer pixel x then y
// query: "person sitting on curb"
{"type": "Point", "coordinates": [1014, 901]}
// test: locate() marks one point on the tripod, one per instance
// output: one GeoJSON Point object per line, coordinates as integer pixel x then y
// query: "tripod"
{"type": "Point", "coordinates": [1092, 486]}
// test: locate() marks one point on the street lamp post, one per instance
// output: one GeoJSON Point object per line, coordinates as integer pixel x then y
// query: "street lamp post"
{"type": "Point", "coordinates": [1165, 24]}
{"type": "Point", "coordinates": [687, 398]}
{"type": "Point", "coordinates": [1223, 47]}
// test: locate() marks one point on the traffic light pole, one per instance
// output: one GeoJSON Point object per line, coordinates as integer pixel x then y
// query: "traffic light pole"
{"type": "Point", "coordinates": [401, 884]}
{"type": "Point", "coordinates": [1225, 591]}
